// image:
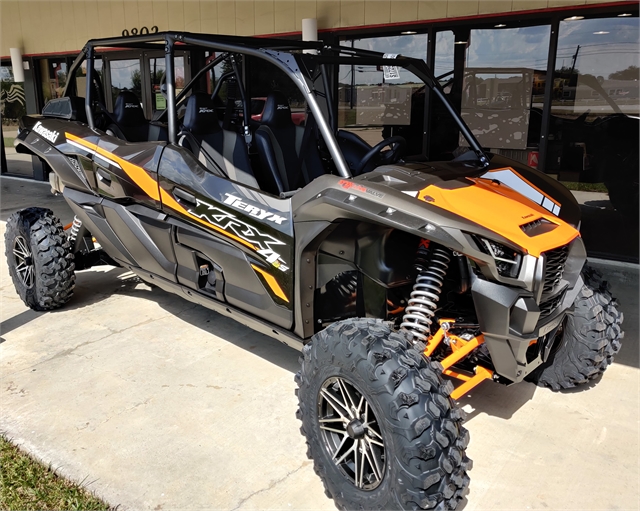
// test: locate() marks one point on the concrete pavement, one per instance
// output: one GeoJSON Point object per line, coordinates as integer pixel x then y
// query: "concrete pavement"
{"type": "Point", "coordinates": [161, 404]}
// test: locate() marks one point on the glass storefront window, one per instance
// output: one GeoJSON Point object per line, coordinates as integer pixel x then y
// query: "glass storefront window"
{"type": "Point", "coordinates": [54, 77]}
{"type": "Point", "coordinates": [12, 98]}
{"type": "Point", "coordinates": [125, 75]}
{"type": "Point", "coordinates": [593, 133]}
{"type": "Point", "coordinates": [81, 77]}
{"type": "Point", "coordinates": [504, 74]}
{"type": "Point", "coordinates": [156, 72]}
{"type": "Point", "coordinates": [443, 68]}
{"type": "Point", "coordinates": [375, 104]}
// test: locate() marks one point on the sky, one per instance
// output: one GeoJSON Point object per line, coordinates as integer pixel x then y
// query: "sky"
{"type": "Point", "coordinates": [600, 53]}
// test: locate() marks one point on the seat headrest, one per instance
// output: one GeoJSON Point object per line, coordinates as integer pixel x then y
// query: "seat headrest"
{"type": "Point", "coordinates": [200, 115]}
{"type": "Point", "coordinates": [128, 111]}
{"type": "Point", "coordinates": [277, 113]}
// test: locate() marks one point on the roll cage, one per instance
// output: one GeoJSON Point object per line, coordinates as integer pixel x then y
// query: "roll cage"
{"type": "Point", "coordinates": [306, 63]}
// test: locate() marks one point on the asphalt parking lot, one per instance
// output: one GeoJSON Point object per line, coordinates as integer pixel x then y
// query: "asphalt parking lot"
{"type": "Point", "coordinates": [160, 404]}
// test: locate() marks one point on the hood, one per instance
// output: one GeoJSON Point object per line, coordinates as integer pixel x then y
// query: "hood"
{"type": "Point", "coordinates": [516, 202]}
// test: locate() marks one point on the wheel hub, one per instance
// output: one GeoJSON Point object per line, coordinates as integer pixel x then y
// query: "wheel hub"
{"type": "Point", "coordinates": [23, 259]}
{"type": "Point", "coordinates": [355, 429]}
{"type": "Point", "coordinates": [351, 433]}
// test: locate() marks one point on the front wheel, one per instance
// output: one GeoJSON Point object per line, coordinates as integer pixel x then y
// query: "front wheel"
{"type": "Point", "coordinates": [39, 259]}
{"type": "Point", "coordinates": [590, 339]}
{"type": "Point", "coordinates": [379, 423]}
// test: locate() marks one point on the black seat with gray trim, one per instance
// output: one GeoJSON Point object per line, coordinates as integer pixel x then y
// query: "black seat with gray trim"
{"type": "Point", "coordinates": [288, 152]}
{"type": "Point", "coordinates": [129, 122]}
{"type": "Point", "coordinates": [219, 150]}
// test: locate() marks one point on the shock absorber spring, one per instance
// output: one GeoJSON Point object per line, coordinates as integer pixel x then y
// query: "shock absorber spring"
{"type": "Point", "coordinates": [75, 228]}
{"type": "Point", "coordinates": [432, 268]}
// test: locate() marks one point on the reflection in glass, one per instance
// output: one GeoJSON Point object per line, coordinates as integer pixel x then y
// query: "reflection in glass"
{"type": "Point", "coordinates": [156, 71]}
{"type": "Point", "coordinates": [377, 103]}
{"type": "Point", "coordinates": [495, 105]}
{"type": "Point", "coordinates": [12, 98]}
{"type": "Point", "coordinates": [54, 78]}
{"type": "Point", "coordinates": [125, 75]}
{"type": "Point", "coordinates": [593, 136]}
{"type": "Point", "coordinates": [503, 88]}
{"type": "Point", "coordinates": [81, 79]}
{"type": "Point", "coordinates": [443, 68]}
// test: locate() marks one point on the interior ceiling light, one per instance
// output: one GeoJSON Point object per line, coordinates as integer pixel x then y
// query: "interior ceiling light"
{"type": "Point", "coordinates": [408, 32]}
{"type": "Point", "coordinates": [500, 25]}
{"type": "Point", "coordinates": [461, 42]}
{"type": "Point", "coordinates": [601, 32]}
{"type": "Point", "coordinates": [574, 18]}
{"type": "Point", "coordinates": [625, 15]}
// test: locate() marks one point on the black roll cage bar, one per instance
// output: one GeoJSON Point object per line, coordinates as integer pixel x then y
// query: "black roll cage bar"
{"type": "Point", "coordinates": [277, 52]}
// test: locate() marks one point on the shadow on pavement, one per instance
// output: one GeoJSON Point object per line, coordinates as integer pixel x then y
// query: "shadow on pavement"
{"type": "Point", "coordinates": [17, 321]}
{"type": "Point", "coordinates": [95, 285]}
{"type": "Point", "coordinates": [119, 281]}
{"type": "Point", "coordinates": [497, 400]}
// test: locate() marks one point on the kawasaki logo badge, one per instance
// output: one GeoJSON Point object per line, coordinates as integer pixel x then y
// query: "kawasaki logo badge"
{"type": "Point", "coordinates": [51, 136]}
{"type": "Point", "coordinates": [254, 211]}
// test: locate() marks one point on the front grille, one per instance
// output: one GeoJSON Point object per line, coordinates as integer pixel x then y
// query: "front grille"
{"type": "Point", "coordinates": [554, 268]}
{"type": "Point", "coordinates": [548, 306]}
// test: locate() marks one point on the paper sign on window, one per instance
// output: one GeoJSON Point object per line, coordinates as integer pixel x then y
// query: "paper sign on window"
{"type": "Point", "coordinates": [391, 72]}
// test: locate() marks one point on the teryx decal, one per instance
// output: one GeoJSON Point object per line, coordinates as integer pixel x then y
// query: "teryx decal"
{"type": "Point", "coordinates": [259, 213]}
{"type": "Point", "coordinates": [264, 243]}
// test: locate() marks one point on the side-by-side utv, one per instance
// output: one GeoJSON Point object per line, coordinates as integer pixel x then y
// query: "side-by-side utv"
{"type": "Point", "coordinates": [405, 281]}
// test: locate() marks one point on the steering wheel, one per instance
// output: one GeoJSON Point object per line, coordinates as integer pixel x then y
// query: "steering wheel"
{"type": "Point", "coordinates": [397, 145]}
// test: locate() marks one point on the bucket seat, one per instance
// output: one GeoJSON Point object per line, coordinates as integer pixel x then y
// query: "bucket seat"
{"type": "Point", "coordinates": [221, 151]}
{"type": "Point", "coordinates": [288, 152]}
{"type": "Point", "coordinates": [129, 123]}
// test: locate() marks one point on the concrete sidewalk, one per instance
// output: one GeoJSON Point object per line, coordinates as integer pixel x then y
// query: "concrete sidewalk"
{"type": "Point", "coordinates": [161, 404]}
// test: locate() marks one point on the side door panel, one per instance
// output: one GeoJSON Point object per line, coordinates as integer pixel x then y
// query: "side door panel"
{"type": "Point", "coordinates": [243, 235]}
{"type": "Point", "coordinates": [125, 214]}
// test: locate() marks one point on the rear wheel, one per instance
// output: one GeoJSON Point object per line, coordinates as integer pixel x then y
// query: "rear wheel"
{"type": "Point", "coordinates": [590, 339]}
{"type": "Point", "coordinates": [39, 259]}
{"type": "Point", "coordinates": [379, 423]}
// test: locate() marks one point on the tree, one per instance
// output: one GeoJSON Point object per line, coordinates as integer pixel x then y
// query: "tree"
{"type": "Point", "coordinates": [631, 73]}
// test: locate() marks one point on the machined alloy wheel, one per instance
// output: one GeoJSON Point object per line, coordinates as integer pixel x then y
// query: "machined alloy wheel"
{"type": "Point", "coordinates": [24, 261]}
{"type": "Point", "coordinates": [39, 258]}
{"type": "Point", "coordinates": [379, 422]}
{"type": "Point", "coordinates": [351, 434]}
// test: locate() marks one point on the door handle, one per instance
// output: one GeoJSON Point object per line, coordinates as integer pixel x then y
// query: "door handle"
{"type": "Point", "coordinates": [184, 197]}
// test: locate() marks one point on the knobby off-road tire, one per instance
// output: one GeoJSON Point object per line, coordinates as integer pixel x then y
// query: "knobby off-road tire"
{"type": "Point", "coordinates": [422, 464]}
{"type": "Point", "coordinates": [39, 259]}
{"type": "Point", "coordinates": [590, 340]}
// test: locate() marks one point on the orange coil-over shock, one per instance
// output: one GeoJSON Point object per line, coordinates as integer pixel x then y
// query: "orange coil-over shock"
{"type": "Point", "coordinates": [432, 262]}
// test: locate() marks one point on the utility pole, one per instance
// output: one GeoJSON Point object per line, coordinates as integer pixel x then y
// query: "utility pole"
{"type": "Point", "coordinates": [575, 58]}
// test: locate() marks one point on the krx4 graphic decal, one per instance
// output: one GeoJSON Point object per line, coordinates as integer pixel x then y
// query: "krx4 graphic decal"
{"type": "Point", "coordinates": [264, 243]}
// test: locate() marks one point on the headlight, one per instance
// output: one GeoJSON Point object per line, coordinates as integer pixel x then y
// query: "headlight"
{"type": "Point", "coordinates": [507, 260]}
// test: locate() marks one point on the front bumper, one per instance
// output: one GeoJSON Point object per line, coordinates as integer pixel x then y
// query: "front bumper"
{"type": "Point", "coordinates": [516, 333]}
